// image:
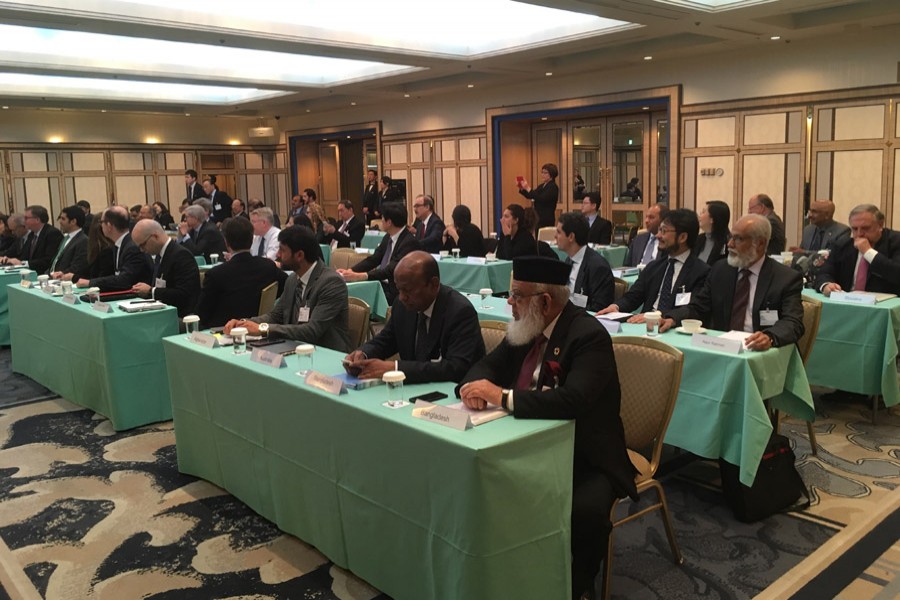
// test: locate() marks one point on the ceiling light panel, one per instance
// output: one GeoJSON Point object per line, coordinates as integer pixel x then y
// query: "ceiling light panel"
{"type": "Point", "coordinates": [714, 5]}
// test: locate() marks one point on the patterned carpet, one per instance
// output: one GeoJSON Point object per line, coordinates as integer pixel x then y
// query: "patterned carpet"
{"type": "Point", "coordinates": [88, 513]}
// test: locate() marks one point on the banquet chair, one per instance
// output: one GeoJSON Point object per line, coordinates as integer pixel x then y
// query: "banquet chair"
{"type": "Point", "coordinates": [267, 298]}
{"type": "Point", "coordinates": [345, 258]}
{"type": "Point", "coordinates": [358, 321]}
{"type": "Point", "coordinates": [546, 234]}
{"type": "Point", "coordinates": [492, 332]}
{"type": "Point", "coordinates": [621, 288]}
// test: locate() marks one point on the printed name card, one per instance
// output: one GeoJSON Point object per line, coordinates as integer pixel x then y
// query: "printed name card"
{"type": "Point", "coordinates": [442, 415]}
{"type": "Point", "coordinates": [26, 284]}
{"type": "Point", "coordinates": [101, 307]}
{"type": "Point", "coordinates": [720, 344]}
{"type": "Point", "coordinates": [475, 260]}
{"type": "Point", "coordinates": [854, 297]}
{"type": "Point", "coordinates": [207, 340]}
{"type": "Point", "coordinates": [331, 385]}
{"type": "Point", "coordinates": [611, 326]}
{"type": "Point", "coordinates": [362, 250]}
{"type": "Point", "coordinates": [70, 298]}
{"type": "Point", "coordinates": [264, 357]}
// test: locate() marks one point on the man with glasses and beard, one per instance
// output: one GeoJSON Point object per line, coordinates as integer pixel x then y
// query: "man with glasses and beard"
{"type": "Point", "coordinates": [748, 292]}
{"type": "Point", "coordinates": [557, 362]}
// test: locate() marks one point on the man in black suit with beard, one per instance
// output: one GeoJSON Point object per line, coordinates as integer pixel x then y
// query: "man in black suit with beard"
{"type": "Point", "coordinates": [748, 292]}
{"type": "Point", "coordinates": [672, 279]}
{"type": "Point", "coordinates": [433, 328]}
{"type": "Point", "coordinates": [176, 278]}
{"type": "Point", "coordinates": [232, 290]}
{"type": "Point", "coordinates": [131, 265]}
{"type": "Point", "coordinates": [643, 249]}
{"type": "Point", "coordinates": [591, 280]}
{"type": "Point", "coordinates": [553, 343]}
{"type": "Point", "coordinates": [72, 254]}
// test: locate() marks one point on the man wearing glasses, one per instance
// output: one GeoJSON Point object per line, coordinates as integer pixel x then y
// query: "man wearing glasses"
{"type": "Point", "coordinates": [131, 265]}
{"type": "Point", "coordinates": [428, 227]}
{"type": "Point", "coordinates": [40, 244]}
{"type": "Point", "coordinates": [176, 278]}
{"type": "Point", "coordinates": [761, 204]}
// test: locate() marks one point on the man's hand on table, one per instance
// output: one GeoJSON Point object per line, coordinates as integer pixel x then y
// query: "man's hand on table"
{"type": "Point", "coordinates": [478, 394]}
{"type": "Point", "coordinates": [758, 342]}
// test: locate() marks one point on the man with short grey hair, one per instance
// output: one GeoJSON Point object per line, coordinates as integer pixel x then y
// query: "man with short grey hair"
{"type": "Point", "coordinates": [761, 204]}
{"type": "Point", "coordinates": [199, 235]}
{"type": "Point", "coordinates": [265, 234]}
{"type": "Point", "coordinates": [40, 244]}
{"type": "Point", "coordinates": [16, 223]}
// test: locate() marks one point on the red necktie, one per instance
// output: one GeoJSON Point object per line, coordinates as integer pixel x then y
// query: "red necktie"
{"type": "Point", "coordinates": [421, 231]}
{"type": "Point", "coordinates": [862, 274]}
{"type": "Point", "coordinates": [531, 361]}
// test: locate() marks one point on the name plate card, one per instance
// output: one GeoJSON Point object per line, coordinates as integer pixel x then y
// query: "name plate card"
{"type": "Point", "coordinates": [207, 340]}
{"type": "Point", "coordinates": [320, 381]}
{"type": "Point", "coordinates": [854, 297]}
{"type": "Point", "coordinates": [264, 357]}
{"type": "Point", "coordinates": [101, 307]}
{"type": "Point", "coordinates": [611, 326]}
{"type": "Point", "coordinates": [26, 284]}
{"type": "Point", "coordinates": [362, 251]}
{"type": "Point", "coordinates": [70, 299]}
{"type": "Point", "coordinates": [720, 344]}
{"type": "Point", "coordinates": [475, 260]}
{"type": "Point", "coordinates": [442, 415]}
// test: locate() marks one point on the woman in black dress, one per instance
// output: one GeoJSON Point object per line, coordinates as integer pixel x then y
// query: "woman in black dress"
{"type": "Point", "coordinates": [517, 239]}
{"type": "Point", "coordinates": [545, 196]}
{"type": "Point", "coordinates": [163, 216]}
{"type": "Point", "coordinates": [712, 242]}
{"type": "Point", "coordinates": [463, 234]}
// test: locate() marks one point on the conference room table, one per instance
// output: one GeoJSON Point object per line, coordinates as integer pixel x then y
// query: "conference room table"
{"type": "Point", "coordinates": [419, 510]}
{"type": "Point", "coordinates": [469, 275]}
{"type": "Point", "coordinates": [856, 347]}
{"type": "Point", "coordinates": [371, 239]}
{"type": "Point", "coordinates": [720, 410]}
{"type": "Point", "coordinates": [111, 363]}
{"type": "Point", "coordinates": [8, 277]}
{"type": "Point", "coordinates": [614, 255]}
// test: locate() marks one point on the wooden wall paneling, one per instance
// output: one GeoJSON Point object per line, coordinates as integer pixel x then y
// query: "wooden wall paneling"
{"type": "Point", "coordinates": [471, 149]}
{"type": "Point", "coordinates": [823, 168]}
{"type": "Point", "coordinates": [35, 162]}
{"type": "Point", "coordinates": [93, 189]}
{"type": "Point", "coordinates": [716, 178]}
{"type": "Point", "coordinates": [253, 161]}
{"type": "Point", "coordinates": [128, 161]}
{"type": "Point", "coordinates": [716, 132]}
{"type": "Point", "coordinates": [857, 178]}
{"type": "Point", "coordinates": [88, 161]}
{"type": "Point", "coordinates": [419, 182]}
{"type": "Point", "coordinates": [793, 214]}
{"type": "Point", "coordinates": [515, 160]}
{"type": "Point", "coordinates": [689, 184]}
{"type": "Point", "coordinates": [764, 174]}
{"type": "Point", "coordinates": [129, 190]}
{"type": "Point", "coordinates": [255, 186]}
{"type": "Point", "coordinates": [471, 186]}
{"type": "Point", "coordinates": [770, 128]}
{"type": "Point", "coordinates": [306, 153]}
{"type": "Point", "coordinates": [895, 204]}
{"type": "Point", "coordinates": [175, 161]}
{"type": "Point", "coordinates": [859, 122]}
{"type": "Point", "coordinates": [175, 191]}
{"type": "Point", "coordinates": [329, 183]}
{"type": "Point", "coordinates": [449, 192]}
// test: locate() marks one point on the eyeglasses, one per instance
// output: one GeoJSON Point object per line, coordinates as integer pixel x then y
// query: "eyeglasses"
{"type": "Point", "coordinates": [418, 205]}
{"type": "Point", "coordinates": [737, 239]}
{"type": "Point", "coordinates": [664, 230]}
{"type": "Point", "coordinates": [518, 296]}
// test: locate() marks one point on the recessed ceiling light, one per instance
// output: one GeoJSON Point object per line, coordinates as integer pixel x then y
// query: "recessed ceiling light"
{"type": "Point", "coordinates": [5, 108]}
{"type": "Point", "coordinates": [233, 142]}
{"type": "Point", "coordinates": [308, 110]}
{"type": "Point", "coordinates": [102, 110]}
{"type": "Point", "coordinates": [348, 137]}
{"type": "Point", "coordinates": [543, 118]}
{"type": "Point", "coordinates": [549, 73]}
{"type": "Point", "coordinates": [151, 140]}
{"type": "Point", "coordinates": [406, 95]}
{"type": "Point", "coordinates": [471, 85]}
{"type": "Point", "coordinates": [54, 139]}
{"type": "Point", "coordinates": [645, 107]}
{"type": "Point", "coordinates": [648, 58]}
{"type": "Point", "coordinates": [353, 104]}
{"type": "Point", "coordinates": [775, 37]}
{"type": "Point", "coordinates": [187, 114]}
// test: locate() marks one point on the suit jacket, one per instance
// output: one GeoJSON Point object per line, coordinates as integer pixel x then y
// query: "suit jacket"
{"type": "Point", "coordinates": [194, 191]}
{"type": "Point", "coordinates": [545, 197]}
{"type": "Point", "coordinates": [718, 251]}
{"type": "Point", "coordinates": [371, 265]}
{"type": "Point", "coordinates": [778, 288]}
{"type": "Point", "coordinates": [637, 248]}
{"type": "Point", "coordinates": [832, 235]}
{"type": "Point", "coordinates": [521, 244]}
{"type": "Point", "coordinates": [232, 290]}
{"type": "Point", "coordinates": [179, 270]}
{"type": "Point", "coordinates": [595, 280]}
{"type": "Point", "coordinates": [207, 241]}
{"type": "Point", "coordinates": [600, 231]}
{"type": "Point", "coordinates": [221, 206]}
{"type": "Point", "coordinates": [431, 239]}
{"type": "Point", "coordinates": [777, 242]}
{"type": "Point", "coordinates": [132, 266]}
{"type": "Point", "coordinates": [587, 391]}
{"type": "Point", "coordinates": [471, 241]}
{"type": "Point", "coordinates": [884, 271]}
{"type": "Point", "coordinates": [646, 289]}
{"type": "Point", "coordinates": [326, 297]}
{"type": "Point", "coordinates": [454, 339]}
{"type": "Point", "coordinates": [371, 200]}
{"type": "Point", "coordinates": [74, 257]}
{"type": "Point", "coordinates": [43, 250]}
{"type": "Point", "coordinates": [355, 231]}
{"type": "Point", "coordinates": [104, 264]}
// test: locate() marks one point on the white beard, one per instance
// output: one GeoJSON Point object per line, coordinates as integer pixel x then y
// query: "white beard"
{"type": "Point", "coordinates": [527, 328]}
{"type": "Point", "coordinates": [737, 261]}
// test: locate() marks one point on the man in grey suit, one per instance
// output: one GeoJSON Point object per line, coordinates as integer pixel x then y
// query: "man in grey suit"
{"type": "Point", "coordinates": [72, 254]}
{"type": "Point", "coordinates": [591, 283]}
{"type": "Point", "coordinates": [644, 247]}
{"type": "Point", "coordinates": [313, 307]}
{"type": "Point", "coordinates": [823, 232]}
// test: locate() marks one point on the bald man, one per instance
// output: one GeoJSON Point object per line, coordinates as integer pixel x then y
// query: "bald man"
{"type": "Point", "coordinates": [823, 232]}
{"type": "Point", "coordinates": [176, 278]}
{"type": "Point", "coordinates": [434, 329]}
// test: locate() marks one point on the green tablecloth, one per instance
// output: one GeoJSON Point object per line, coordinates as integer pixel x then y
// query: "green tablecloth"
{"type": "Point", "coordinates": [720, 411]}
{"type": "Point", "coordinates": [614, 255]}
{"type": "Point", "coordinates": [110, 363]}
{"type": "Point", "coordinates": [419, 510]}
{"type": "Point", "coordinates": [469, 277]}
{"type": "Point", "coordinates": [371, 239]}
{"type": "Point", "coordinates": [372, 293]}
{"type": "Point", "coordinates": [8, 278]}
{"type": "Point", "coordinates": [856, 348]}
{"type": "Point", "coordinates": [326, 253]}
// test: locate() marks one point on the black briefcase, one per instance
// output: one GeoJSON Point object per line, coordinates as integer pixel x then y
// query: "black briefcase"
{"type": "Point", "coordinates": [777, 487]}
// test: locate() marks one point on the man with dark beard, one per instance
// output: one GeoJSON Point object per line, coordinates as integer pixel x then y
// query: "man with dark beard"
{"type": "Point", "coordinates": [557, 362]}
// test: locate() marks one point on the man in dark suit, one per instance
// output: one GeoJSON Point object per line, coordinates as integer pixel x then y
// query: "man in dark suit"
{"type": "Point", "coordinates": [396, 244]}
{"type": "Point", "coordinates": [131, 265]}
{"type": "Point", "coordinates": [386, 193]}
{"type": "Point", "coordinates": [221, 202]}
{"type": "Point", "coordinates": [644, 249]}
{"type": "Point", "coordinates": [40, 244]}
{"type": "Point", "coordinates": [428, 227]}
{"type": "Point", "coordinates": [600, 231]}
{"type": "Point", "coordinates": [554, 344]}
{"type": "Point", "coordinates": [748, 292]}
{"type": "Point", "coordinates": [176, 278]}
{"type": "Point", "coordinates": [350, 230]}
{"type": "Point", "coordinates": [868, 260]}
{"type": "Point", "coordinates": [199, 236]}
{"type": "Point", "coordinates": [591, 280]}
{"type": "Point", "coordinates": [193, 188]}
{"type": "Point", "coordinates": [670, 280]}
{"type": "Point", "coordinates": [761, 204]}
{"type": "Point", "coordinates": [72, 254]}
{"type": "Point", "coordinates": [371, 204]}
{"type": "Point", "coordinates": [233, 289]}
{"type": "Point", "coordinates": [313, 307]}
{"type": "Point", "coordinates": [85, 206]}
{"type": "Point", "coordinates": [432, 327]}
{"type": "Point", "coordinates": [823, 232]}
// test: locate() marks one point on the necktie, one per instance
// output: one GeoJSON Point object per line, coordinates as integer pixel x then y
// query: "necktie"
{"type": "Point", "coordinates": [59, 252]}
{"type": "Point", "coordinates": [526, 375]}
{"type": "Point", "coordinates": [298, 299]}
{"type": "Point", "coordinates": [422, 338]}
{"type": "Point", "coordinates": [387, 252]}
{"type": "Point", "coordinates": [421, 230]}
{"type": "Point", "coordinates": [741, 300]}
{"type": "Point", "coordinates": [862, 274]}
{"type": "Point", "coordinates": [261, 251]}
{"type": "Point", "coordinates": [666, 297]}
{"type": "Point", "coordinates": [118, 251]}
{"type": "Point", "coordinates": [156, 262]}
{"type": "Point", "coordinates": [648, 251]}
{"type": "Point", "coordinates": [816, 243]}
{"type": "Point", "coordinates": [26, 247]}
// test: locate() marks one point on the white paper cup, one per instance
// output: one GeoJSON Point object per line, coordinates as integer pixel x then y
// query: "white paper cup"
{"type": "Point", "coordinates": [445, 253]}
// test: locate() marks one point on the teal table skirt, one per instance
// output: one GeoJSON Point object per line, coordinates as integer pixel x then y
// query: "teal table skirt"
{"type": "Point", "coordinates": [8, 278]}
{"type": "Point", "coordinates": [110, 363]}
{"type": "Point", "coordinates": [470, 278]}
{"type": "Point", "coordinates": [372, 293]}
{"type": "Point", "coordinates": [856, 348]}
{"type": "Point", "coordinates": [614, 255]}
{"type": "Point", "coordinates": [326, 253]}
{"type": "Point", "coordinates": [371, 239]}
{"type": "Point", "coordinates": [720, 410]}
{"type": "Point", "coordinates": [416, 509]}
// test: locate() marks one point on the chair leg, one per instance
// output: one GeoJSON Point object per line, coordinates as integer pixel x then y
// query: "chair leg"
{"type": "Point", "coordinates": [605, 586]}
{"type": "Point", "coordinates": [667, 522]}
{"type": "Point", "coordinates": [812, 438]}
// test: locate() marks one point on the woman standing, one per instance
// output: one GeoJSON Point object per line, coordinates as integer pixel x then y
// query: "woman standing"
{"type": "Point", "coordinates": [517, 239]}
{"type": "Point", "coordinates": [463, 234]}
{"type": "Point", "coordinates": [712, 243]}
{"type": "Point", "coordinates": [545, 196]}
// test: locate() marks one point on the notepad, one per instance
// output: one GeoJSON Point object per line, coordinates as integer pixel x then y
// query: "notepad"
{"type": "Point", "coordinates": [479, 417]}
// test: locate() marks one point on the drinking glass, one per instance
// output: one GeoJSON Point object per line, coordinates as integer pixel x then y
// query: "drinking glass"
{"type": "Point", "coordinates": [394, 382]}
{"type": "Point", "coordinates": [485, 294]}
{"type": "Point", "coordinates": [652, 320]}
{"type": "Point", "coordinates": [213, 259]}
{"type": "Point", "coordinates": [93, 295]}
{"type": "Point", "coordinates": [455, 253]}
{"type": "Point", "coordinates": [191, 325]}
{"type": "Point", "coordinates": [304, 354]}
{"type": "Point", "coordinates": [239, 335]}
{"type": "Point", "coordinates": [25, 277]}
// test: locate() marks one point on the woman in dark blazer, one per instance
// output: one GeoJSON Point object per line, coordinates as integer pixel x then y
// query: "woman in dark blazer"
{"type": "Point", "coordinates": [101, 254]}
{"type": "Point", "coordinates": [517, 239]}
{"type": "Point", "coordinates": [463, 234]}
{"type": "Point", "coordinates": [163, 216]}
{"type": "Point", "coordinates": [545, 196]}
{"type": "Point", "coordinates": [712, 242]}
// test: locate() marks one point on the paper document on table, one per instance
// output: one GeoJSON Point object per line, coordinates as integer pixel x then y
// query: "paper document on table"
{"type": "Point", "coordinates": [879, 296]}
{"type": "Point", "coordinates": [614, 316]}
{"type": "Point", "coordinates": [477, 417]}
{"type": "Point", "coordinates": [735, 335]}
